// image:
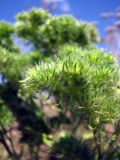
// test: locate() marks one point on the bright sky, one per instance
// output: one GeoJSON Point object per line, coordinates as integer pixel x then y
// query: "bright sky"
{"type": "Point", "coordinates": [85, 9]}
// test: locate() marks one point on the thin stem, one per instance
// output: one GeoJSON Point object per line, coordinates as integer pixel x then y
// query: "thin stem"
{"type": "Point", "coordinates": [11, 143]}
{"type": "Point", "coordinates": [98, 144]}
{"type": "Point", "coordinates": [6, 146]}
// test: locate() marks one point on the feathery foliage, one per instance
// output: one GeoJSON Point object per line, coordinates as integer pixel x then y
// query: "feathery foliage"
{"type": "Point", "coordinates": [86, 77]}
{"type": "Point", "coordinates": [6, 37]}
{"type": "Point", "coordinates": [11, 64]}
{"type": "Point", "coordinates": [47, 33]}
{"type": "Point", "coordinates": [85, 80]}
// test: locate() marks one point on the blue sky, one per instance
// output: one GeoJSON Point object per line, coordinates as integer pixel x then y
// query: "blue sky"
{"type": "Point", "coordinates": [84, 9]}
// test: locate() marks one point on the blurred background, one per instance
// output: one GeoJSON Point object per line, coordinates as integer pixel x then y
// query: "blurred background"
{"type": "Point", "coordinates": [105, 14]}
{"type": "Point", "coordinates": [38, 113]}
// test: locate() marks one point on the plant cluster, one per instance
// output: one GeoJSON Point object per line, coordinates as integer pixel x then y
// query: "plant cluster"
{"type": "Point", "coordinates": [47, 33]}
{"type": "Point", "coordinates": [86, 80]}
{"type": "Point", "coordinates": [81, 84]}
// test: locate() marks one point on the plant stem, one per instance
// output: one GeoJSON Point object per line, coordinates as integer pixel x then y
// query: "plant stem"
{"type": "Point", "coordinates": [98, 144]}
{"type": "Point", "coordinates": [3, 141]}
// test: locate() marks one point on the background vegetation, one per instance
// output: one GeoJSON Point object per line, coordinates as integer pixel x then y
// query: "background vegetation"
{"type": "Point", "coordinates": [61, 100]}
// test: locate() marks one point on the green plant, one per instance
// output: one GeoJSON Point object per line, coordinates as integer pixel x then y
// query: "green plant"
{"type": "Point", "coordinates": [47, 33]}
{"type": "Point", "coordinates": [86, 80]}
{"type": "Point", "coordinates": [6, 37]}
{"type": "Point", "coordinates": [82, 80]}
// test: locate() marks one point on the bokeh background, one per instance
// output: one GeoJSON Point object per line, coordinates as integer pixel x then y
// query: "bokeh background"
{"type": "Point", "coordinates": [89, 10]}
{"type": "Point", "coordinates": [105, 14]}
